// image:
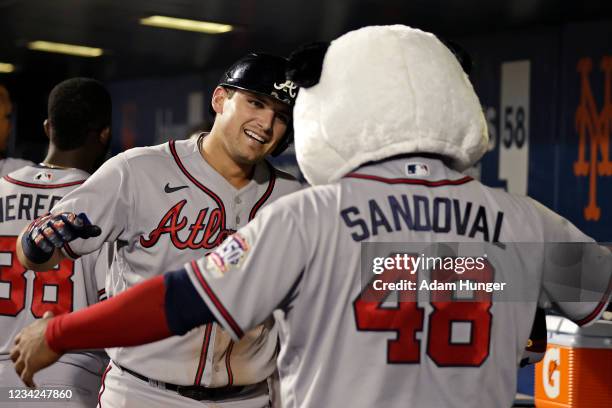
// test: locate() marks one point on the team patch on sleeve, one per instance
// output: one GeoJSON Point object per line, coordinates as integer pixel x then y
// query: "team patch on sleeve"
{"type": "Point", "coordinates": [230, 254]}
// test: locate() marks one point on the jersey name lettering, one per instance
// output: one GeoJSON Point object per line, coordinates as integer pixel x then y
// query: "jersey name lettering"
{"type": "Point", "coordinates": [420, 213]}
{"type": "Point", "coordinates": [25, 206]}
{"type": "Point", "coordinates": [214, 231]}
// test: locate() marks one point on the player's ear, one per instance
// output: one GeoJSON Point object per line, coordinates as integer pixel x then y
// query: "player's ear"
{"type": "Point", "coordinates": [105, 136]}
{"type": "Point", "coordinates": [47, 127]}
{"type": "Point", "coordinates": [218, 99]}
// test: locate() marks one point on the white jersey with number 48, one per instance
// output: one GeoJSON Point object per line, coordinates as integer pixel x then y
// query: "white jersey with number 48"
{"type": "Point", "coordinates": [302, 256]}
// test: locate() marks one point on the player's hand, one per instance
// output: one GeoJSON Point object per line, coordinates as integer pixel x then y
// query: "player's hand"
{"type": "Point", "coordinates": [536, 345]}
{"type": "Point", "coordinates": [49, 232]}
{"type": "Point", "coordinates": [31, 353]}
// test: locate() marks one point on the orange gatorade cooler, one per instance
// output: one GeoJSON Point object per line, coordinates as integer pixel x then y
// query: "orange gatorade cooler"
{"type": "Point", "coordinates": [577, 368]}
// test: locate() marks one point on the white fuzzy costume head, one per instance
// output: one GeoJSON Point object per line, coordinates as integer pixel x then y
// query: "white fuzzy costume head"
{"type": "Point", "coordinates": [384, 91]}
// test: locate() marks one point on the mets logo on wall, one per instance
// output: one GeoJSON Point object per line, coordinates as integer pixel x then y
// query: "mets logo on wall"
{"type": "Point", "coordinates": [593, 127]}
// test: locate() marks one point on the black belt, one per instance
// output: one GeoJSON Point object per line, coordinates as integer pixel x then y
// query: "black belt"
{"type": "Point", "coordinates": [196, 392]}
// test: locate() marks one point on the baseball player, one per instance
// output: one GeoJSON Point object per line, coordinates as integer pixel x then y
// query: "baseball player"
{"type": "Point", "coordinates": [7, 164]}
{"type": "Point", "coordinates": [78, 129]}
{"type": "Point", "coordinates": [385, 158]}
{"type": "Point", "coordinates": [167, 204]}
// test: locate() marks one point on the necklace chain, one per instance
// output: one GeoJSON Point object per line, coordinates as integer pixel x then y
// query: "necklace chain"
{"type": "Point", "coordinates": [53, 166]}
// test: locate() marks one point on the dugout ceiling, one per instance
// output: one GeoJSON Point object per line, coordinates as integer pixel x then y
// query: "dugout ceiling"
{"type": "Point", "coordinates": [133, 50]}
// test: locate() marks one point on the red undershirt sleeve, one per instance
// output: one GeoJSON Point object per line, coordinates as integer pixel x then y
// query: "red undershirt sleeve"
{"type": "Point", "coordinates": [136, 316]}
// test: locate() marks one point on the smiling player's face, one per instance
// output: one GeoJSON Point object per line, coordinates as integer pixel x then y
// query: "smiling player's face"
{"type": "Point", "coordinates": [252, 124]}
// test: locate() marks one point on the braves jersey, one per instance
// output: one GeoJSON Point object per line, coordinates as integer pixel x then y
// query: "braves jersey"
{"type": "Point", "coordinates": [26, 295]}
{"type": "Point", "coordinates": [162, 206]}
{"type": "Point", "coordinates": [9, 164]}
{"type": "Point", "coordinates": [301, 260]}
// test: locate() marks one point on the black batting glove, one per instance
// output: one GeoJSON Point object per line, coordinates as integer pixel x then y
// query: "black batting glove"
{"type": "Point", "coordinates": [53, 231]}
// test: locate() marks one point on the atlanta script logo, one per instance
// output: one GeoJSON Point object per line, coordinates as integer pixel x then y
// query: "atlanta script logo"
{"type": "Point", "coordinates": [208, 231]}
{"type": "Point", "coordinates": [597, 125]}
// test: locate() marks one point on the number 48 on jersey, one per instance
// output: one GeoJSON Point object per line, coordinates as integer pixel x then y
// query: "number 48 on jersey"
{"type": "Point", "coordinates": [407, 318]}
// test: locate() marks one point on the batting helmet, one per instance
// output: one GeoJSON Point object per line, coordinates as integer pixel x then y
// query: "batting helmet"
{"type": "Point", "coordinates": [263, 74]}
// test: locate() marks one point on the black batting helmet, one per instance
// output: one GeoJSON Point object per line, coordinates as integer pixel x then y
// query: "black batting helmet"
{"type": "Point", "coordinates": [263, 74]}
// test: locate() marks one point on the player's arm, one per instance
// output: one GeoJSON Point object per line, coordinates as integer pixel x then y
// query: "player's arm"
{"type": "Point", "coordinates": [577, 271]}
{"type": "Point", "coordinates": [153, 310]}
{"type": "Point", "coordinates": [39, 244]}
{"type": "Point", "coordinates": [107, 197]}
{"type": "Point", "coordinates": [536, 345]}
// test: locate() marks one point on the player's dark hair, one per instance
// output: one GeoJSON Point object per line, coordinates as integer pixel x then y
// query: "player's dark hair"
{"type": "Point", "coordinates": [77, 107]}
{"type": "Point", "coordinates": [230, 91]}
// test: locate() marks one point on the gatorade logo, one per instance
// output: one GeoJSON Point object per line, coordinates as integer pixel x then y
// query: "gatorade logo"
{"type": "Point", "coordinates": [593, 127]}
{"type": "Point", "coordinates": [550, 373]}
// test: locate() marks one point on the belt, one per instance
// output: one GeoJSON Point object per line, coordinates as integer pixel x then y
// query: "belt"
{"type": "Point", "coordinates": [196, 392]}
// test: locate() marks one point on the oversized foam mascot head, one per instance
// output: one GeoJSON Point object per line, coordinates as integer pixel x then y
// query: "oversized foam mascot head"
{"type": "Point", "coordinates": [378, 92]}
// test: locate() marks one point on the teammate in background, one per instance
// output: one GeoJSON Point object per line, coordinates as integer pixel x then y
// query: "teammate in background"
{"type": "Point", "coordinates": [165, 205]}
{"type": "Point", "coordinates": [78, 128]}
{"type": "Point", "coordinates": [385, 122]}
{"type": "Point", "coordinates": [7, 164]}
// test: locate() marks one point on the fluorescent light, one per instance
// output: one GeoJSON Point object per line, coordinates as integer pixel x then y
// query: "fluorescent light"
{"type": "Point", "coordinates": [69, 49]}
{"type": "Point", "coordinates": [6, 68]}
{"type": "Point", "coordinates": [188, 25]}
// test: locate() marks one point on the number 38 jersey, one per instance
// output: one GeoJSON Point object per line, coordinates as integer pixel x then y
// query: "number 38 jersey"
{"type": "Point", "coordinates": [25, 295]}
{"type": "Point", "coordinates": [301, 260]}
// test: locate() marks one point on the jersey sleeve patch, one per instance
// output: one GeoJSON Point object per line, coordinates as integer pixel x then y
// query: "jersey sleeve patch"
{"type": "Point", "coordinates": [229, 255]}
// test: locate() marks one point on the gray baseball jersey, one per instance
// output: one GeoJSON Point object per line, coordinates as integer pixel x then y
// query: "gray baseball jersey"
{"type": "Point", "coordinates": [25, 295]}
{"type": "Point", "coordinates": [9, 164]}
{"type": "Point", "coordinates": [162, 206]}
{"type": "Point", "coordinates": [301, 260]}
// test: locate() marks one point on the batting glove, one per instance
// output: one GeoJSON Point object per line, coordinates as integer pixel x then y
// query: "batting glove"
{"type": "Point", "coordinates": [53, 231]}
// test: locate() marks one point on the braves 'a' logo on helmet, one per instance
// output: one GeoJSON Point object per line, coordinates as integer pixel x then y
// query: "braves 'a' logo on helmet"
{"type": "Point", "coordinates": [288, 87]}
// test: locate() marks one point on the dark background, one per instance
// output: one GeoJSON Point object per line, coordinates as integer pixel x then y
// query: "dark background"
{"type": "Point", "coordinates": [133, 51]}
